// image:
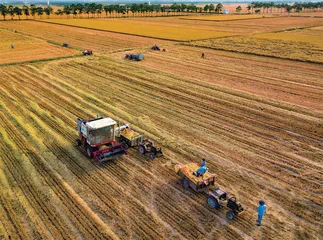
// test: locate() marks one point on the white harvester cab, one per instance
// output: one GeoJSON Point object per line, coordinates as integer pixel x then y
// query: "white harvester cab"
{"type": "Point", "coordinates": [99, 131]}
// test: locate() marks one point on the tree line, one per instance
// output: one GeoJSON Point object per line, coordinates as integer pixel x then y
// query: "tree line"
{"type": "Point", "coordinates": [96, 10]}
{"type": "Point", "coordinates": [256, 7]}
{"type": "Point", "coordinates": [145, 9]}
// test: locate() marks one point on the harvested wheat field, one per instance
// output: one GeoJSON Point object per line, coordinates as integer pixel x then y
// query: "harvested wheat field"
{"type": "Point", "coordinates": [227, 17]}
{"type": "Point", "coordinates": [27, 48]}
{"type": "Point", "coordinates": [77, 37]}
{"type": "Point", "coordinates": [145, 29]}
{"type": "Point", "coordinates": [257, 120]}
{"type": "Point", "coordinates": [233, 27]}
{"type": "Point", "coordinates": [300, 44]}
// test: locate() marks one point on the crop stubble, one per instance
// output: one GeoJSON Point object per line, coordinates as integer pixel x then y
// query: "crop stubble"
{"type": "Point", "coordinates": [259, 131]}
{"type": "Point", "coordinates": [138, 198]}
{"type": "Point", "coordinates": [27, 48]}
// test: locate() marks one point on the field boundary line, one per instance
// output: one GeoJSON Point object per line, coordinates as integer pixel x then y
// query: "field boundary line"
{"type": "Point", "coordinates": [102, 30]}
{"type": "Point", "coordinates": [195, 19]}
{"type": "Point", "coordinates": [40, 60]}
{"type": "Point", "coordinates": [131, 34]}
{"type": "Point", "coordinates": [291, 29]}
{"type": "Point", "coordinates": [308, 16]}
{"type": "Point", "coordinates": [255, 54]}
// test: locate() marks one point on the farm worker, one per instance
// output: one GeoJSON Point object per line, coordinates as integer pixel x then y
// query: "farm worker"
{"type": "Point", "coordinates": [202, 55]}
{"type": "Point", "coordinates": [12, 46]}
{"type": "Point", "coordinates": [203, 163]}
{"type": "Point", "coordinates": [201, 171]}
{"type": "Point", "coordinates": [261, 211]}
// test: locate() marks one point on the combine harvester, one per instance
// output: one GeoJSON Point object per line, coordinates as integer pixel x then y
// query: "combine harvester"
{"type": "Point", "coordinates": [215, 199]}
{"type": "Point", "coordinates": [103, 139]}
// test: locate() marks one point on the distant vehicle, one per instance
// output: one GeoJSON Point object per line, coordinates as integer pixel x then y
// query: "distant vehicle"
{"type": "Point", "coordinates": [87, 52]}
{"type": "Point", "coordinates": [136, 57]}
{"type": "Point", "coordinates": [225, 11]}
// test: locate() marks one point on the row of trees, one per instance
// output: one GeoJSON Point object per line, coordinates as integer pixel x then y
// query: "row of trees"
{"type": "Point", "coordinates": [212, 8]}
{"type": "Point", "coordinates": [96, 10]}
{"type": "Point", "coordinates": [25, 10]}
{"type": "Point", "coordinates": [116, 10]}
{"type": "Point", "coordinates": [279, 7]}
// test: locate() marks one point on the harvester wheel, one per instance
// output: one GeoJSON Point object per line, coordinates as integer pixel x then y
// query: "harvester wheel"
{"type": "Point", "coordinates": [142, 149]}
{"type": "Point", "coordinates": [185, 183]}
{"type": "Point", "coordinates": [152, 156]}
{"type": "Point", "coordinates": [89, 151]}
{"type": "Point", "coordinates": [212, 202]}
{"type": "Point", "coordinates": [230, 215]}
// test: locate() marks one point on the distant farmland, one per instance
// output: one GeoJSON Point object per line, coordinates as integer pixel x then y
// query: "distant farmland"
{"type": "Point", "coordinates": [252, 107]}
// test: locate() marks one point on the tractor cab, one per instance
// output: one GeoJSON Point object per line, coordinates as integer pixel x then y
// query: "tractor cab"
{"type": "Point", "coordinates": [97, 136]}
{"type": "Point", "coordinates": [218, 198]}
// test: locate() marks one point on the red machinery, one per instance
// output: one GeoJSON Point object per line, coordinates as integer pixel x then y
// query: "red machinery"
{"type": "Point", "coordinates": [103, 139]}
{"type": "Point", "coordinates": [97, 137]}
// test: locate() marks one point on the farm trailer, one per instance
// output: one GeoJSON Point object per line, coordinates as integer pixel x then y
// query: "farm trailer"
{"type": "Point", "coordinates": [216, 198]}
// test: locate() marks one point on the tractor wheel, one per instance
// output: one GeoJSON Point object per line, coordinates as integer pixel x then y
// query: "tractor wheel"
{"type": "Point", "coordinates": [152, 156]}
{"type": "Point", "coordinates": [79, 142]}
{"type": "Point", "coordinates": [212, 202]}
{"type": "Point", "coordinates": [186, 183]}
{"type": "Point", "coordinates": [142, 149]}
{"type": "Point", "coordinates": [230, 215]}
{"type": "Point", "coordinates": [89, 151]}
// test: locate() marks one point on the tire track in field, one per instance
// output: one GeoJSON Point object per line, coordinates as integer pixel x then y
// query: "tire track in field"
{"type": "Point", "coordinates": [65, 198]}
{"type": "Point", "coordinates": [178, 109]}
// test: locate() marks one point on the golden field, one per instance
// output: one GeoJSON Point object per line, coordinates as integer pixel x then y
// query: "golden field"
{"type": "Point", "coordinates": [235, 27]}
{"type": "Point", "coordinates": [141, 29]}
{"type": "Point", "coordinates": [228, 17]}
{"type": "Point", "coordinates": [311, 36]}
{"type": "Point", "coordinates": [300, 44]}
{"type": "Point", "coordinates": [28, 48]}
{"type": "Point", "coordinates": [256, 119]}
{"type": "Point", "coordinates": [78, 37]}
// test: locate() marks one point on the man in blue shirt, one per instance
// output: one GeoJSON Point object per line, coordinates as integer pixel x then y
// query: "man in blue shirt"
{"type": "Point", "coordinates": [201, 171]}
{"type": "Point", "coordinates": [261, 211]}
{"type": "Point", "coordinates": [203, 163]}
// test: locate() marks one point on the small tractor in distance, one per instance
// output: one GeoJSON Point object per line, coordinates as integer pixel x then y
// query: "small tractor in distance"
{"type": "Point", "coordinates": [155, 47]}
{"type": "Point", "coordinates": [136, 57]}
{"type": "Point", "coordinates": [87, 52]}
{"type": "Point", "coordinates": [103, 139]}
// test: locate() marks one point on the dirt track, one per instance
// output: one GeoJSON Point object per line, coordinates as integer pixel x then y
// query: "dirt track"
{"type": "Point", "coordinates": [259, 147]}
